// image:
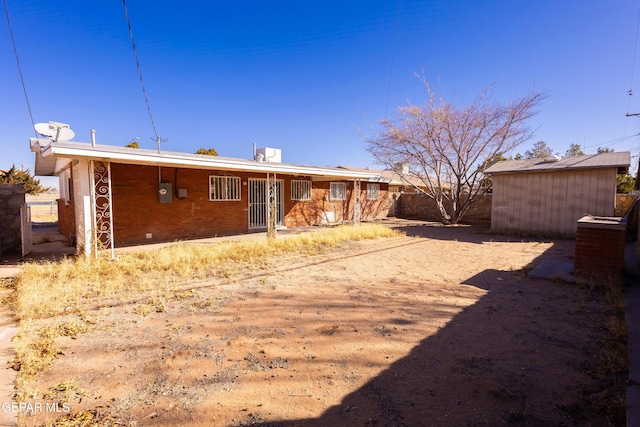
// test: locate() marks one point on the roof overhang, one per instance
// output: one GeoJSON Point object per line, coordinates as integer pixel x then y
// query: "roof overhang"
{"type": "Point", "coordinates": [46, 166]}
{"type": "Point", "coordinates": [52, 157]}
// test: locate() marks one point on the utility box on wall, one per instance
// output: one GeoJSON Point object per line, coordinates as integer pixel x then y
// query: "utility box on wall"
{"type": "Point", "coordinates": [181, 193]}
{"type": "Point", "coordinates": [164, 192]}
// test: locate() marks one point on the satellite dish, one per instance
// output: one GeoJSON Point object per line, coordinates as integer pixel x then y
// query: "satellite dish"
{"type": "Point", "coordinates": [65, 134]}
{"type": "Point", "coordinates": [45, 129]}
{"type": "Point", "coordinates": [54, 130]}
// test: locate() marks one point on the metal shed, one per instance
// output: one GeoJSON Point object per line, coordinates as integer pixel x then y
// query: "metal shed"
{"type": "Point", "coordinates": [550, 195]}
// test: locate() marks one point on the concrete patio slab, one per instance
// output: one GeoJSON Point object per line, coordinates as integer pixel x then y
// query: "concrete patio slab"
{"type": "Point", "coordinates": [554, 269]}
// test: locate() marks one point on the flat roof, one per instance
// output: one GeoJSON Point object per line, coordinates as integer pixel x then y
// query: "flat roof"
{"type": "Point", "coordinates": [620, 160]}
{"type": "Point", "coordinates": [49, 154]}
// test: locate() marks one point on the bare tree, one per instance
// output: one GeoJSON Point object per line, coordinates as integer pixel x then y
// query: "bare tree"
{"type": "Point", "coordinates": [443, 146]}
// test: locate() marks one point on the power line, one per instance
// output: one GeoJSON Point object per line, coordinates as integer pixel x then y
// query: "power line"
{"type": "Point", "coordinates": [633, 71]}
{"type": "Point", "coordinates": [135, 54]}
{"type": "Point", "coordinates": [633, 65]}
{"type": "Point", "coordinates": [15, 51]}
{"type": "Point", "coordinates": [611, 142]}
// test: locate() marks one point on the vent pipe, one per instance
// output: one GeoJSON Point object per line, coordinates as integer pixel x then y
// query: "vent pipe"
{"type": "Point", "coordinates": [93, 137]}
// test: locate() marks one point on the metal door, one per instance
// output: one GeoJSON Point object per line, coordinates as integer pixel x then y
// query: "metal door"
{"type": "Point", "coordinates": [259, 203]}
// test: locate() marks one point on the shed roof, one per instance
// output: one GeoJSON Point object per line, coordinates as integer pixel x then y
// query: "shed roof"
{"type": "Point", "coordinates": [620, 160]}
{"type": "Point", "coordinates": [52, 156]}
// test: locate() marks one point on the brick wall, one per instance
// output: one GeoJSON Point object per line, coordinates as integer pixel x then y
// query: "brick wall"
{"type": "Point", "coordinates": [137, 211]}
{"type": "Point", "coordinates": [420, 206]}
{"type": "Point", "coordinates": [303, 213]}
{"type": "Point", "coordinates": [66, 222]}
{"type": "Point", "coordinates": [599, 252]}
{"type": "Point", "coordinates": [12, 196]}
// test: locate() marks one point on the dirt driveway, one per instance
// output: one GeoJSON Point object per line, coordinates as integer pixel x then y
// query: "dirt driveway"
{"type": "Point", "coordinates": [438, 328]}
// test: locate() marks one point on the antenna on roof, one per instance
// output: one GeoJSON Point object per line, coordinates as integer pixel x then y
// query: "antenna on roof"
{"type": "Point", "coordinates": [55, 130]}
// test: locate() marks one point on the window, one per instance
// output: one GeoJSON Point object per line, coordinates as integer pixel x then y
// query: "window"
{"type": "Point", "coordinates": [338, 191]}
{"type": "Point", "coordinates": [373, 191]}
{"type": "Point", "coordinates": [224, 188]}
{"type": "Point", "coordinates": [300, 190]}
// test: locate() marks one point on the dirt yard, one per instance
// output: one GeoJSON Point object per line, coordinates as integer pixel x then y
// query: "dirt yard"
{"type": "Point", "coordinates": [438, 328]}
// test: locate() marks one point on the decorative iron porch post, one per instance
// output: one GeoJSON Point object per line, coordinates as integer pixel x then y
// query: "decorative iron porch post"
{"type": "Point", "coordinates": [271, 215]}
{"type": "Point", "coordinates": [102, 207]}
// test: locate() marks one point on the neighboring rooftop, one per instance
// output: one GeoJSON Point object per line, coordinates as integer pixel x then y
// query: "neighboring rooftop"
{"type": "Point", "coordinates": [620, 160]}
{"type": "Point", "coordinates": [393, 177]}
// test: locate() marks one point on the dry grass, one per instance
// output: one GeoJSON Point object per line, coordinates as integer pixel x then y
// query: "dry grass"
{"type": "Point", "coordinates": [613, 363]}
{"type": "Point", "coordinates": [67, 285]}
{"type": "Point", "coordinates": [60, 294]}
{"type": "Point", "coordinates": [44, 213]}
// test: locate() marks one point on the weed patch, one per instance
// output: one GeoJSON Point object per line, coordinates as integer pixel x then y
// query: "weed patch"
{"type": "Point", "coordinates": [54, 288]}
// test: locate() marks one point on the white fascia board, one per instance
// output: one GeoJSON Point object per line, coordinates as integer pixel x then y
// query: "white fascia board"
{"type": "Point", "coordinates": [148, 157]}
{"type": "Point", "coordinates": [369, 178]}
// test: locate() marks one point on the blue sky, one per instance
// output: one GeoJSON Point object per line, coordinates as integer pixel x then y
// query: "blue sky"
{"type": "Point", "coordinates": [305, 76]}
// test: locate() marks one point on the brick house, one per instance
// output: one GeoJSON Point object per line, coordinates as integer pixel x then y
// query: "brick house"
{"type": "Point", "coordinates": [117, 196]}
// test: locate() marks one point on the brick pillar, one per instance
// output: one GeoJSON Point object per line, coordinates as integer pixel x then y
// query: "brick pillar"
{"type": "Point", "coordinates": [600, 245]}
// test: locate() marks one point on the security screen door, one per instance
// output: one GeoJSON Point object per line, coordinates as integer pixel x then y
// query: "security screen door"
{"type": "Point", "coordinates": [259, 203]}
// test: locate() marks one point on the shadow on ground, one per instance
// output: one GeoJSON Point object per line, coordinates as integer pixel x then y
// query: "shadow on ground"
{"type": "Point", "coordinates": [460, 377]}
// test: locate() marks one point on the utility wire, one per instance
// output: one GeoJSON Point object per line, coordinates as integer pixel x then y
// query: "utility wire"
{"type": "Point", "coordinates": [393, 57]}
{"type": "Point", "coordinates": [15, 51]}
{"type": "Point", "coordinates": [611, 142]}
{"type": "Point", "coordinates": [135, 54]}
{"type": "Point", "coordinates": [633, 66]}
{"type": "Point", "coordinates": [633, 71]}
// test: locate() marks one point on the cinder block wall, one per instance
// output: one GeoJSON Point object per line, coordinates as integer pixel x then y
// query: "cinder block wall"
{"type": "Point", "coordinates": [420, 206]}
{"type": "Point", "coordinates": [12, 197]}
{"type": "Point", "coordinates": [599, 252]}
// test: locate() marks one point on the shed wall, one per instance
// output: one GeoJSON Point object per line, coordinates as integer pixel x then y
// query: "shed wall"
{"type": "Point", "coordinates": [551, 202]}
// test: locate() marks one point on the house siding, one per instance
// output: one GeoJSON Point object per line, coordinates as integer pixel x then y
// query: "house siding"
{"type": "Point", "coordinates": [137, 210]}
{"type": "Point", "coordinates": [551, 202]}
